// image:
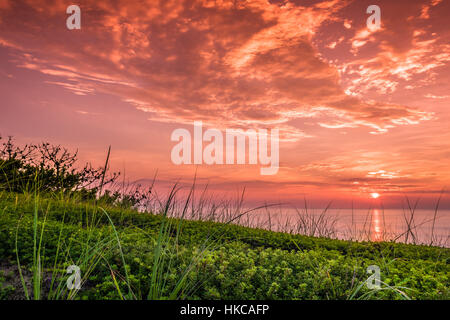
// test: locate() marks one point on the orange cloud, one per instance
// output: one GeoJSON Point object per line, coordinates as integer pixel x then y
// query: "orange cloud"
{"type": "Point", "coordinates": [313, 71]}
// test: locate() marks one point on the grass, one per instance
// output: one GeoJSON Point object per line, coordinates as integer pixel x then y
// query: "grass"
{"type": "Point", "coordinates": [127, 254]}
{"type": "Point", "coordinates": [92, 250]}
{"type": "Point", "coordinates": [131, 243]}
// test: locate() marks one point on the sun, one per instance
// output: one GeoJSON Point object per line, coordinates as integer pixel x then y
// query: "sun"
{"type": "Point", "coordinates": [375, 195]}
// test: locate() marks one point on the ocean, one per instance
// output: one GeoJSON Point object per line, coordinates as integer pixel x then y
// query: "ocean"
{"type": "Point", "coordinates": [357, 224]}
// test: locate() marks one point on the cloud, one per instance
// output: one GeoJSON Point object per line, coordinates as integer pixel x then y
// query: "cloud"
{"type": "Point", "coordinates": [251, 64]}
{"type": "Point", "coordinates": [432, 96]}
{"type": "Point", "coordinates": [314, 72]}
{"type": "Point", "coordinates": [406, 53]}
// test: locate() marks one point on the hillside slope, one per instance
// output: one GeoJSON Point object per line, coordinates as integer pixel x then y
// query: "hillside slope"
{"type": "Point", "coordinates": [172, 258]}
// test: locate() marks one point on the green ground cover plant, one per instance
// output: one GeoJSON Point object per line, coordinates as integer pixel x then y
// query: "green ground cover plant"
{"type": "Point", "coordinates": [54, 215]}
{"type": "Point", "coordinates": [125, 254]}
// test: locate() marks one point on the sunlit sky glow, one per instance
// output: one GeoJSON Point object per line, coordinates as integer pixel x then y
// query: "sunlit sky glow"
{"type": "Point", "coordinates": [360, 112]}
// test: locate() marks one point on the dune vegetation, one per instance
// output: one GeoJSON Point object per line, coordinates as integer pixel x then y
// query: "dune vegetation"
{"type": "Point", "coordinates": [55, 214]}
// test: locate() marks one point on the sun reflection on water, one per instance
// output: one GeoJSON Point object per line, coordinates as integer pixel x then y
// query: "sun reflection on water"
{"type": "Point", "coordinates": [377, 230]}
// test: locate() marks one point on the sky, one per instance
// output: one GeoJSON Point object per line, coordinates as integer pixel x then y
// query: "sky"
{"type": "Point", "coordinates": [359, 111]}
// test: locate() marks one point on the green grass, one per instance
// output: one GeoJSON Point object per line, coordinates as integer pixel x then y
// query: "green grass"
{"type": "Point", "coordinates": [124, 254]}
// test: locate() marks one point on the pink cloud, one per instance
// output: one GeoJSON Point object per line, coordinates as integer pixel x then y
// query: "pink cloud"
{"type": "Point", "coordinates": [313, 71]}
